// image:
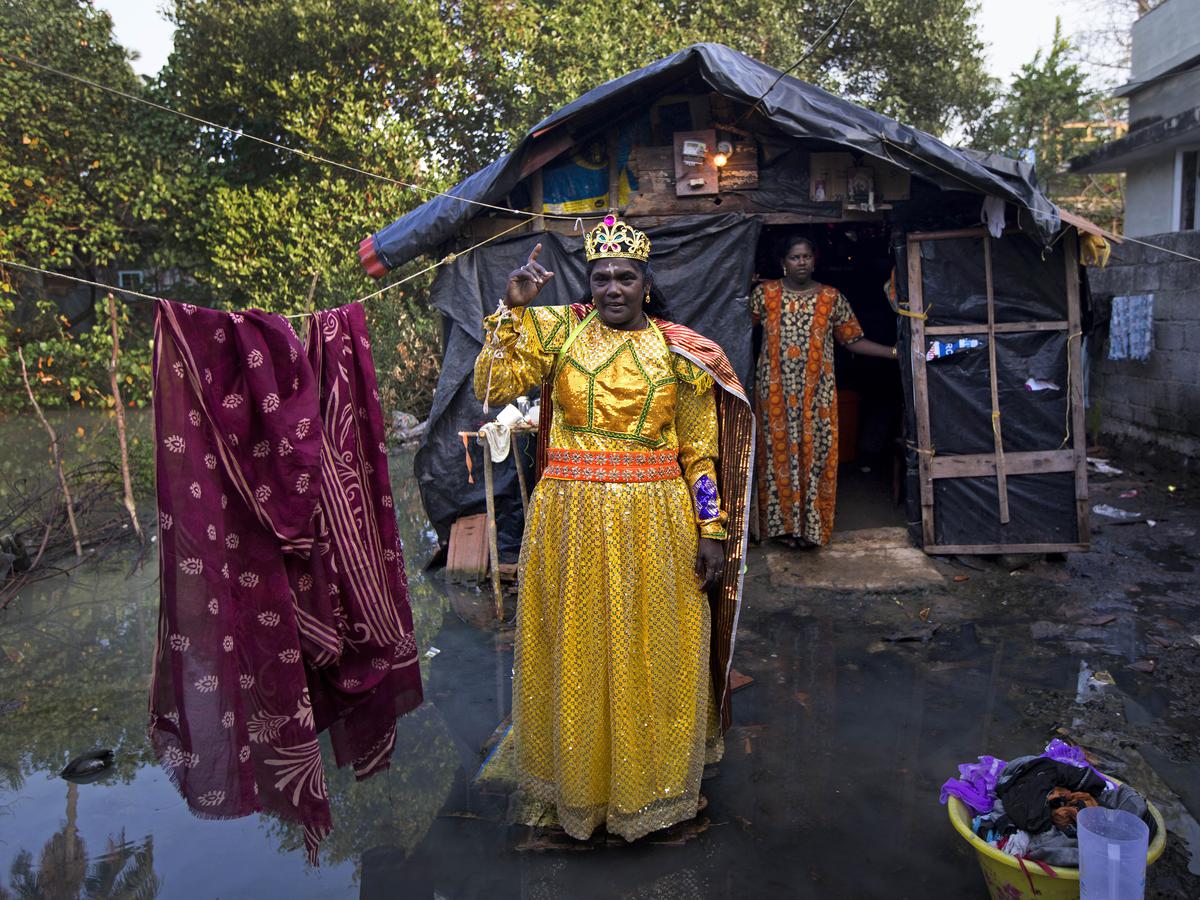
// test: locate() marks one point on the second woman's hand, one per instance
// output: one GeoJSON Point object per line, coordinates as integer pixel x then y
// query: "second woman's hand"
{"type": "Point", "coordinates": [525, 283]}
{"type": "Point", "coordinates": [710, 562]}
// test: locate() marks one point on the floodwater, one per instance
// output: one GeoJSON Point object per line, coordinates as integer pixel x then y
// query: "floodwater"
{"type": "Point", "coordinates": [828, 787]}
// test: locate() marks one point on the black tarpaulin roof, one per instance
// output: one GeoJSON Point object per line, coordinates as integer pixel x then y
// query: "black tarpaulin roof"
{"type": "Point", "coordinates": [795, 108]}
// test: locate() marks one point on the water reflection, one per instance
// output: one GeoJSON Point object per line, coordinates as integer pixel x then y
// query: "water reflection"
{"type": "Point", "coordinates": [123, 870]}
{"type": "Point", "coordinates": [828, 787]}
{"type": "Point", "coordinates": [75, 654]}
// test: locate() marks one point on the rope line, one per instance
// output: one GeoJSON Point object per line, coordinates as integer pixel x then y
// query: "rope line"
{"type": "Point", "coordinates": [237, 132]}
{"type": "Point", "coordinates": [432, 192]}
{"type": "Point", "coordinates": [99, 284]}
{"type": "Point", "coordinates": [448, 258]}
{"type": "Point", "coordinates": [1133, 240]}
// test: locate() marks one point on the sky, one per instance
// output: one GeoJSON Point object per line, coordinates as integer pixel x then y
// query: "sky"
{"type": "Point", "coordinates": [1013, 30]}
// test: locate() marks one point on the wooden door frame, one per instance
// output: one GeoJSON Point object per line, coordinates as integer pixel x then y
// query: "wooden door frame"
{"type": "Point", "coordinates": [997, 464]}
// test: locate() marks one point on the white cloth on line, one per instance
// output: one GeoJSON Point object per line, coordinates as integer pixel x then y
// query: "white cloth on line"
{"type": "Point", "coordinates": [498, 438]}
{"type": "Point", "coordinates": [993, 215]}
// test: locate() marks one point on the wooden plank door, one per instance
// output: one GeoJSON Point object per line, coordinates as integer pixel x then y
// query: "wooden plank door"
{"type": "Point", "coordinates": [1066, 455]}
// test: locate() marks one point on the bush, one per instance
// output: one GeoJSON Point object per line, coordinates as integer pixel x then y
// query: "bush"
{"type": "Point", "coordinates": [407, 344]}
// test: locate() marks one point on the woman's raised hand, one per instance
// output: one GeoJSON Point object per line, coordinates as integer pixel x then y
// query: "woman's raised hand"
{"type": "Point", "coordinates": [525, 283]}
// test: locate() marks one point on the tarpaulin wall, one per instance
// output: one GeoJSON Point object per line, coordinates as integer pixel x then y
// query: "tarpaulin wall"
{"type": "Point", "coordinates": [1033, 384]}
{"type": "Point", "coordinates": [795, 110]}
{"type": "Point", "coordinates": [703, 265]}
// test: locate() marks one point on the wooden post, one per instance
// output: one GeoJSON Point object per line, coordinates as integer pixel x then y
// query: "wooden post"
{"type": "Point", "coordinates": [537, 201]}
{"type": "Point", "coordinates": [312, 292]}
{"type": "Point", "coordinates": [614, 172]}
{"type": "Point", "coordinates": [997, 431]}
{"type": "Point", "coordinates": [921, 389]}
{"type": "Point", "coordinates": [119, 407]}
{"type": "Point", "coordinates": [1075, 385]}
{"type": "Point", "coordinates": [489, 490]}
{"type": "Point", "coordinates": [62, 477]}
{"type": "Point", "coordinates": [516, 455]}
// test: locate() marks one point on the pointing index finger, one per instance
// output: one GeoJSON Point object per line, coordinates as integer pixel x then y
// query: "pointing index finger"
{"type": "Point", "coordinates": [533, 254]}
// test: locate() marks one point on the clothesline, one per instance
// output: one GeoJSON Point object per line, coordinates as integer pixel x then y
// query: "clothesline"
{"type": "Point", "coordinates": [313, 157]}
{"type": "Point", "coordinates": [529, 216]}
{"type": "Point", "coordinates": [448, 258]}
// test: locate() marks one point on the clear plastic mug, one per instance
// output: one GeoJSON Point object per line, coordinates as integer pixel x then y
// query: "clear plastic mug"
{"type": "Point", "coordinates": [1112, 854]}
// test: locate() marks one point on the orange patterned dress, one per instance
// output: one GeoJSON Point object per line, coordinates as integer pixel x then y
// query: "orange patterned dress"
{"type": "Point", "coordinates": [797, 407]}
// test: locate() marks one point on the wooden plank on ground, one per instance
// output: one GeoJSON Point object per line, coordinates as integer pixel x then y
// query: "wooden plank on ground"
{"type": "Point", "coordinates": [985, 549]}
{"type": "Point", "coordinates": [467, 555]}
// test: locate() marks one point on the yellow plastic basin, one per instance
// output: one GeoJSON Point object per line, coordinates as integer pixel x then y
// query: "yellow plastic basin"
{"type": "Point", "coordinates": [1004, 876]}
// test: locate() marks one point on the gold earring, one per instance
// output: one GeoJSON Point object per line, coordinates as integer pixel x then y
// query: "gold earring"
{"type": "Point", "coordinates": [646, 299]}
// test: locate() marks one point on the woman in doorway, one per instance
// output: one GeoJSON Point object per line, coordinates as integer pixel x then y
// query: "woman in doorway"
{"type": "Point", "coordinates": [797, 397]}
{"type": "Point", "coordinates": [617, 705]}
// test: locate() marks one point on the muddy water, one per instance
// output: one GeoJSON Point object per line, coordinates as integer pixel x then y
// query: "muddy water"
{"type": "Point", "coordinates": [828, 787]}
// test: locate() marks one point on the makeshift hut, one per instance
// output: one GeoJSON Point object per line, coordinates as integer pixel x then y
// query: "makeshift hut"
{"type": "Point", "coordinates": [718, 156]}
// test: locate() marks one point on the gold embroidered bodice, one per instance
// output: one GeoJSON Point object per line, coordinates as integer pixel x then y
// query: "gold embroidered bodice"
{"type": "Point", "coordinates": [613, 390]}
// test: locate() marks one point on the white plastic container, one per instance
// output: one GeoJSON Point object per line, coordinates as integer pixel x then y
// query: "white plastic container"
{"type": "Point", "coordinates": [1112, 854]}
{"type": "Point", "coordinates": [509, 416]}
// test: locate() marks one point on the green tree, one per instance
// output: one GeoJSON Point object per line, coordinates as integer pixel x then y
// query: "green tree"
{"type": "Point", "coordinates": [919, 61]}
{"type": "Point", "coordinates": [69, 165]}
{"type": "Point", "coordinates": [424, 93]}
{"type": "Point", "coordinates": [1050, 110]}
{"type": "Point", "coordinates": [85, 179]}
{"type": "Point", "coordinates": [354, 83]}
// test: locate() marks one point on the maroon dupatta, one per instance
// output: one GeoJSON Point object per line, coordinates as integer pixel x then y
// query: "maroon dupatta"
{"type": "Point", "coordinates": [284, 607]}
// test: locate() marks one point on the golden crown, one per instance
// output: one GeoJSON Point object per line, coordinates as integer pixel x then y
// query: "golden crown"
{"type": "Point", "coordinates": [613, 238]}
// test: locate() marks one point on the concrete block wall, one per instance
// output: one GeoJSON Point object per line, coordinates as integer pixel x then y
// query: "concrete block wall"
{"type": "Point", "coordinates": [1156, 403]}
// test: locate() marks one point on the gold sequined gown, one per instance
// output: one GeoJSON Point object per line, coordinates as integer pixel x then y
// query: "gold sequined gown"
{"type": "Point", "coordinates": [613, 716]}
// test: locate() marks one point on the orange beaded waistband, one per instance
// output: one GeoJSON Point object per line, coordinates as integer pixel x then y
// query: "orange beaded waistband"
{"type": "Point", "coordinates": [602, 465]}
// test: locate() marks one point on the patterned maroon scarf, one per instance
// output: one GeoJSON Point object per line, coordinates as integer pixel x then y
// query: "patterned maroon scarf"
{"type": "Point", "coordinates": [284, 601]}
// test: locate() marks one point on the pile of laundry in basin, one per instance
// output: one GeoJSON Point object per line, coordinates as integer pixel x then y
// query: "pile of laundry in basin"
{"type": "Point", "coordinates": [1027, 807]}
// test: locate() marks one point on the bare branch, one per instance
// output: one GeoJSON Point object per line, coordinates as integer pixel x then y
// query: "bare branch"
{"type": "Point", "coordinates": [62, 478]}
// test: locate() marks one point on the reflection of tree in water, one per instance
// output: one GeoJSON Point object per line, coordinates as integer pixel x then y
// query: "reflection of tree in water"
{"type": "Point", "coordinates": [394, 808]}
{"type": "Point", "coordinates": [74, 658]}
{"type": "Point", "coordinates": [124, 872]}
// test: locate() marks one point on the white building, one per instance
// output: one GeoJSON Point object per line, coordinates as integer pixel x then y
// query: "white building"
{"type": "Point", "coordinates": [1159, 154]}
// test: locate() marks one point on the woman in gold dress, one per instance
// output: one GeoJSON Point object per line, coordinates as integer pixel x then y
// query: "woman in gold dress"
{"type": "Point", "coordinates": [797, 397]}
{"type": "Point", "coordinates": [617, 700]}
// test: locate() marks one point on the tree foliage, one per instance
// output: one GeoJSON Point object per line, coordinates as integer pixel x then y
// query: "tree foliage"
{"type": "Point", "coordinates": [1050, 111]}
{"type": "Point", "coordinates": [86, 181]}
{"type": "Point", "coordinates": [423, 92]}
{"type": "Point", "coordinates": [919, 61]}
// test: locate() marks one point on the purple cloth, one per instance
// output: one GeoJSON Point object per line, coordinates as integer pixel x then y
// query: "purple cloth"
{"type": "Point", "coordinates": [284, 607]}
{"type": "Point", "coordinates": [1060, 751]}
{"type": "Point", "coordinates": [976, 784]}
{"type": "Point", "coordinates": [707, 507]}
